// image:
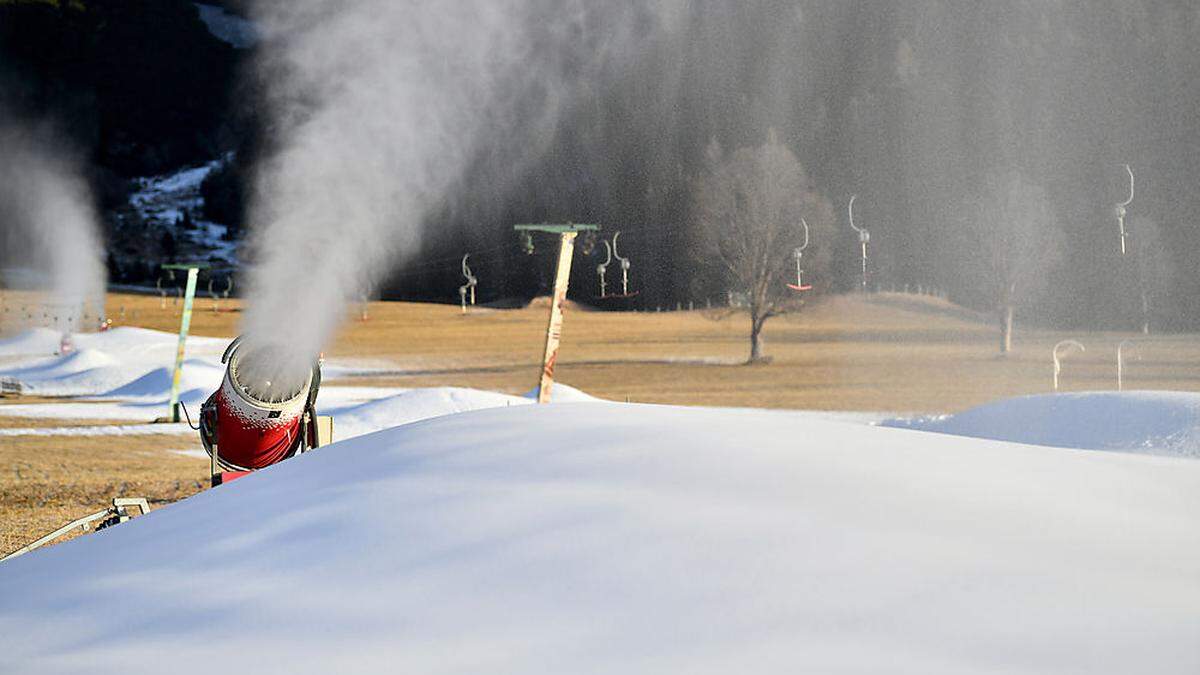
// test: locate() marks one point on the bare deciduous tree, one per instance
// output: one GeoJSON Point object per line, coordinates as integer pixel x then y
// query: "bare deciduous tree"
{"type": "Point", "coordinates": [1017, 241]}
{"type": "Point", "coordinates": [749, 207]}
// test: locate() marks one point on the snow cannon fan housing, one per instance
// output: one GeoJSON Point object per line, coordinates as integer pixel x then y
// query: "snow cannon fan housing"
{"type": "Point", "coordinates": [264, 412]}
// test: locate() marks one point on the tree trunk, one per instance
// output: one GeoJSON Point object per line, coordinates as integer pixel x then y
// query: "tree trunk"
{"type": "Point", "coordinates": [1145, 312]}
{"type": "Point", "coordinates": [755, 339]}
{"type": "Point", "coordinates": [1006, 328]}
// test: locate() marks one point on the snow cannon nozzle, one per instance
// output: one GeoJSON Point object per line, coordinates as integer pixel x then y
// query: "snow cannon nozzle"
{"type": "Point", "coordinates": [264, 411]}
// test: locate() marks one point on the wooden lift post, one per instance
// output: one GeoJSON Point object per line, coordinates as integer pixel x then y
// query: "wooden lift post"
{"type": "Point", "coordinates": [562, 275]}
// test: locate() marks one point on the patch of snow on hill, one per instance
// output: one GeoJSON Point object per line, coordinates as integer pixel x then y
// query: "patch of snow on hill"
{"type": "Point", "coordinates": [1163, 422]}
{"type": "Point", "coordinates": [162, 200]}
{"type": "Point", "coordinates": [228, 27]}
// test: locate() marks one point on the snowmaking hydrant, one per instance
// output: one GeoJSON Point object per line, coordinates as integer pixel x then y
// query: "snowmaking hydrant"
{"type": "Point", "coordinates": [264, 412]}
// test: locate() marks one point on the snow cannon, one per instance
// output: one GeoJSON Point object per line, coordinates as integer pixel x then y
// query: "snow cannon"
{"type": "Point", "coordinates": [264, 412]}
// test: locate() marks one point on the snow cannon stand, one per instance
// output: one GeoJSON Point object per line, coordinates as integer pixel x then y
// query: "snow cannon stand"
{"type": "Point", "coordinates": [118, 513]}
{"type": "Point", "coordinates": [260, 417]}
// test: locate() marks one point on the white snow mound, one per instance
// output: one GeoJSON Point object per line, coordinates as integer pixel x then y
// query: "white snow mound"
{"type": "Point", "coordinates": [156, 384]}
{"type": "Point", "coordinates": [125, 361]}
{"type": "Point", "coordinates": [413, 405]}
{"type": "Point", "coordinates": [61, 366]}
{"type": "Point", "coordinates": [563, 393]}
{"type": "Point", "coordinates": [32, 341]}
{"type": "Point", "coordinates": [1134, 421]}
{"type": "Point", "coordinates": [601, 538]}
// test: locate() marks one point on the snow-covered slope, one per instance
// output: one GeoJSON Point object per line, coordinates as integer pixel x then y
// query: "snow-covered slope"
{"type": "Point", "coordinates": [1161, 422]}
{"type": "Point", "coordinates": [162, 200]}
{"type": "Point", "coordinates": [609, 538]}
{"type": "Point", "coordinates": [228, 27]}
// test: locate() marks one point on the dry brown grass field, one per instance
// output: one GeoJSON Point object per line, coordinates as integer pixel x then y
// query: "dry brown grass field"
{"type": "Point", "coordinates": [886, 352]}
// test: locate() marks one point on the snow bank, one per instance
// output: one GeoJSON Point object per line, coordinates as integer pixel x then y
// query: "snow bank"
{"type": "Point", "coordinates": [196, 374]}
{"type": "Point", "coordinates": [1139, 421]}
{"type": "Point", "coordinates": [33, 341]}
{"type": "Point", "coordinates": [118, 381]}
{"type": "Point", "coordinates": [410, 406]}
{"type": "Point", "coordinates": [413, 405]}
{"type": "Point", "coordinates": [62, 366]}
{"type": "Point", "coordinates": [126, 362]}
{"type": "Point", "coordinates": [131, 337]}
{"type": "Point", "coordinates": [586, 538]}
{"type": "Point", "coordinates": [135, 341]}
{"type": "Point", "coordinates": [77, 374]}
{"type": "Point", "coordinates": [563, 393]}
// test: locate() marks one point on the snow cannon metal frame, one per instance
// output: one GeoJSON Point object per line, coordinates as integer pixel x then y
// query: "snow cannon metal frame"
{"type": "Point", "coordinates": [243, 433]}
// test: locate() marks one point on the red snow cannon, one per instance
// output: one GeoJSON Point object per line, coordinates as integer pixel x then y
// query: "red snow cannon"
{"type": "Point", "coordinates": [264, 412]}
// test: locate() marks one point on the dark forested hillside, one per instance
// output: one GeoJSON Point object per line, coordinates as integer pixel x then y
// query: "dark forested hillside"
{"type": "Point", "coordinates": [141, 84]}
{"type": "Point", "coordinates": [137, 88]}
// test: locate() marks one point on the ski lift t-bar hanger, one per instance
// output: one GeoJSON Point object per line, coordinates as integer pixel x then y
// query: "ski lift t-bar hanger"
{"type": "Point", "coordinates": [1122, 209]}
{"type": "Point", "coordinates": [798, 253]}
{"type": "Point", "coordinates": [469, 287]}
{"type": "Point", "coordinates": [863, 237]}
{"type": "Point", "coordinates": [562, 274]}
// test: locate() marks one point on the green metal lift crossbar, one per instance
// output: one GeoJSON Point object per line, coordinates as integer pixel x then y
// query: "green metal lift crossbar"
{"type": "Point", "coordinates": [187, 266]}
{"type": "Point", "coordinates": [556, 229]}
